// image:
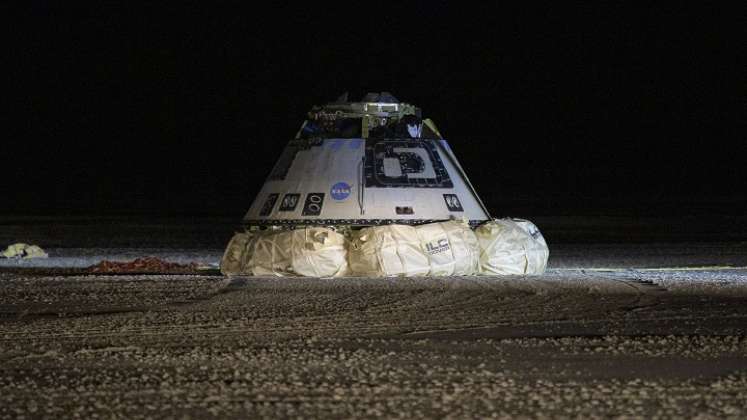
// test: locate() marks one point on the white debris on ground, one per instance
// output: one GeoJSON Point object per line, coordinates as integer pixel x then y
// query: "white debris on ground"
{"type": "Point", "coordinates": [21, 250]}
{"type": "Point", "coordinates": [86, 257]}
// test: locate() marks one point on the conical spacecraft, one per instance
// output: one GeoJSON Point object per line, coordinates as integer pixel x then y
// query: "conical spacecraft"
{"type": "Point", "coordinates": [367, 163]}
{"type": "Point", "coordinates": [371, 189]}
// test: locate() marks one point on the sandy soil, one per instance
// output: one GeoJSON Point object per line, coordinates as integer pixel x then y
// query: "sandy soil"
{"type": "Point", "coordinates": [608, 331]}
{"type": "Point", "coordinates": [565, 344]}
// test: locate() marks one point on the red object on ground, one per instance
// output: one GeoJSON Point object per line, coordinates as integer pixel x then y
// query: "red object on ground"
{"type": "Point", "coordinates": [142, 265]}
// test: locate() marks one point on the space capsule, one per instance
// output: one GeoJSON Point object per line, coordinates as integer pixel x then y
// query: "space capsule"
{"type": "Point", "coordinates": [371, 188]}
{"type": "Point", "coordinates": [366, 163]}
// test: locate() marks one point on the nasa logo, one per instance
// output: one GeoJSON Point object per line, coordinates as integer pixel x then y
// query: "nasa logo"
{"type": "Point", "coordinates": [340, 191]}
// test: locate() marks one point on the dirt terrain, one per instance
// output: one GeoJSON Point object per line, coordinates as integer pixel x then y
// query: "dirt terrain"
{"type": "Point", "coordinates": [615, 329]}
{"type": "Point", "coordinates": [565, 344]}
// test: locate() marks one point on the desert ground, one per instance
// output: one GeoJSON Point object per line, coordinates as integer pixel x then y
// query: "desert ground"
{"type": "Point", "coordinates": [621, 326]}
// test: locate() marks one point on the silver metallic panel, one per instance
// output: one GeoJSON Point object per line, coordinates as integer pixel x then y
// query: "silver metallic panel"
{"type": "Point", "coordinates": [359, 180]}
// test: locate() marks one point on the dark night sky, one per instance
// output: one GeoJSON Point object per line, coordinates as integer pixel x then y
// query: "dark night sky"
{"type": "Point", "coordinates": [550, 110]}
